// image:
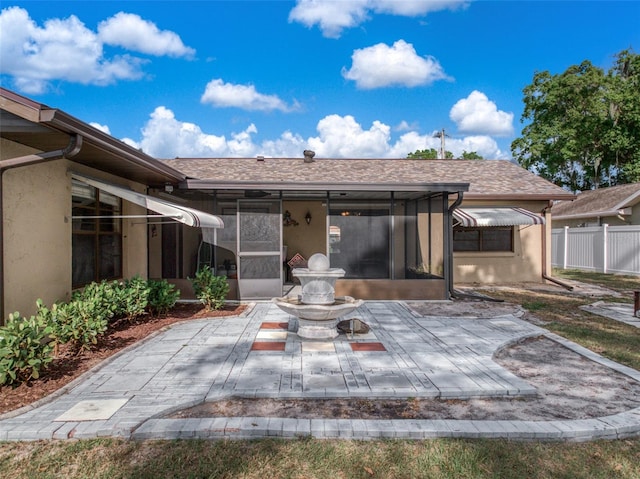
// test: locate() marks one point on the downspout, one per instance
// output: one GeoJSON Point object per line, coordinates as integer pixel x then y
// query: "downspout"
{"type": "Point", "coordinates": [72, 149]}
{"type": "Point", "coordinates": [544, 252]}
{"type": "Point", "coordinates": [449, 243]}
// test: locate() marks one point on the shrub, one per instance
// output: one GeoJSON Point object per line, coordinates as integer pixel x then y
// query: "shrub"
{"type": "Point", "coordinates": [24, 349]}
{"type": "Point", "coordinates": [135, 297]}
{"type": "Point", "coordinates": [106, 298]}
{"type": "Point", "coordinates": [162, 296]}
{"type": "Point", "coordinates": [209, 288]}
{"type": "Point", "coordinates": [88, 313]}
{"type": "Point", "coordinates": [82, 322]}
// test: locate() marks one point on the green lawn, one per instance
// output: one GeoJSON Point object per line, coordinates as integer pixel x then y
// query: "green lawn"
{"type": "Point", "coordinates": [454, 459]}
{"type": "Point", "coordinates": [308, 458]}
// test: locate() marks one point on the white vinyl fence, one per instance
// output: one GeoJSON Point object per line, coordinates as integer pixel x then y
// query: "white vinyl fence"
{"type": "Point", "coordinates": [604, 249]}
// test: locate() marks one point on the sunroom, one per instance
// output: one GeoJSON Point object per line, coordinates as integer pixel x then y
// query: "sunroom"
{"type": "Point", "coordinates": [390, 235]}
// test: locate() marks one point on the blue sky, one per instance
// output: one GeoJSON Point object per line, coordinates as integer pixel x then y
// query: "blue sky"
{"type": "Point", "coordinates": [355, 78]}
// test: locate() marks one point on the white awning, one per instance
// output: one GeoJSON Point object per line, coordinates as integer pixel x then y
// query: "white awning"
{"type": "Point", "coordinates": [183, 214]}
{"type": "Point", "coordinates": [473, 217]}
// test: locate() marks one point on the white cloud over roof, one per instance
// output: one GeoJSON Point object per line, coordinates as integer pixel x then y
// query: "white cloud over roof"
{"type": "Point", "coordinates": [62, 49]}
{"type": "Point", "coordinates": [132, 32]}
{"type": "Point", "coordinates": [221, 94]}
{"type": "Point", "coordinates": [102, 128]}
{"type": "Point", "coordinates": [477, 114]}
{"type": "Point", "coordinates": [398, 65]}
{"type": "Point", "coordinates": [164, 136]}
{"type": "Point", "coordinates": [332, 16]}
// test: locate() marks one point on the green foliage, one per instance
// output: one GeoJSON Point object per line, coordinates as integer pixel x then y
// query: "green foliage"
{"type": "Point", "coordinates": [209, 288]}
{"type": "Point", "coordinates": [27, 345]}
{"type": "Point", "coordinates": [584, 125]}
{"type": "Point", "coordinates": [471, 155]}
{"type": "Point", "coordinates": [24, 349]}
{"type": "Point", "coordinates": [432, 154]}
{"type": "Point", "coordinates": [106, 298]}
{"type": "Point", "coordinates": [135, 297]}
{"type": "Point", "coordinates": [162, 296]}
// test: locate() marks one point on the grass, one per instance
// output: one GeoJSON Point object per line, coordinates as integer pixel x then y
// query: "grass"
{"type": "Point", "coordinates": [442, 458]}
{"type": "Point", "coordinates": [562, 315]}
{"type": "Point", "coordinates": [622, 283]}
{"type": "Point", "coordinates": [308, 458]}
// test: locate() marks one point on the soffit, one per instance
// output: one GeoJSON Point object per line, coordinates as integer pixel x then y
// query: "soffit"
{"type": "Point", "coordinates": [53, 129]}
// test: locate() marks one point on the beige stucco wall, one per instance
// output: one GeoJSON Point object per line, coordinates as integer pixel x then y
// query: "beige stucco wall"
{"type": "Point", "coordinates": [430, 232]}
{"type": "Point", "coordinates": [524, 264]}
{"type": "Point", "coordinates": [305, 239]}
{"type": "Point", "coordinates": [37, 237]}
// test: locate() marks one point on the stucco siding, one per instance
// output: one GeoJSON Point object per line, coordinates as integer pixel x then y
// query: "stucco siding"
{"type": "Point", "coordinates": [37, 233]}
{"type": "Point", "coordinates": [524, 264]}
{"type": "Point", "coordinates": [37, 239]}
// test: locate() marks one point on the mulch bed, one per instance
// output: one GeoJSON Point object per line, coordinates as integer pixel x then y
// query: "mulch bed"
{"type": "Point", "coordinates": [122, 333]}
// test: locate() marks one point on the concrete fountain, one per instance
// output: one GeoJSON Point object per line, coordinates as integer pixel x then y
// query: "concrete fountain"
{"type": "Point", "coordinates": [317, 309]}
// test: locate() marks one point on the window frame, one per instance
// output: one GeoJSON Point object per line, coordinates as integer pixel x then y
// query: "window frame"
{"type": "Point", "coordinates": [480, 243]}
{"type": "Point", "coordinates": [99, 229]}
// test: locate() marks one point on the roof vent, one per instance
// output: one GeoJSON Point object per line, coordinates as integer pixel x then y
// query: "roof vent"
{"type": "Point", "coordinates": [260, 158]}
{"type": "Point", "coordinates": [308, 156]}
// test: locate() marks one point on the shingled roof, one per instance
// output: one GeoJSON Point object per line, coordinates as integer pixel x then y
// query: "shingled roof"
{"type": "Point", "coordinates": [600, 202]}
{"type": "Point", "coordinates": [496, 179]}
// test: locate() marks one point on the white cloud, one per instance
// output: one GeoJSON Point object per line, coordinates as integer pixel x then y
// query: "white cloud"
{"type": "Point", "coordinates": [221, 94]}
{"type": "Point", "coordinates": [399, 65]}
{"type": "Point", "coordinates": [102, 128]}
{"type": "Point", "coordinates": [406, 126]}
{"type": "Point", "coordinates": [343, 137]}
{"type": "Point", "coordinates": [164, 136]}
{"type": "Point", "coordinates": [334, 16]}
{"type": "Point", "coordinates": [477, 114]}
{"type": "Point", "coordinates": [65, 49]}
{"type": "Point", "coordinates": [331, 16]}
{"type": "Point", "coordinates": [132, 32]}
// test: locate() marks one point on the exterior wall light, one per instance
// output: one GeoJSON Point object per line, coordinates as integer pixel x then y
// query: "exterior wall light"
{"type": "Point", "coordinates": [307, 217]}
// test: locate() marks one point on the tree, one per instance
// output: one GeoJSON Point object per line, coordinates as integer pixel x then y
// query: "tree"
{"type": "Point", "coordinates": [623, 139]}
{"type": "Point", "coordinates": [584, 125]}
{"type": "Point", "coordinates": [432, 154]}
{"type": "Point", "coordinates": [472, 155]}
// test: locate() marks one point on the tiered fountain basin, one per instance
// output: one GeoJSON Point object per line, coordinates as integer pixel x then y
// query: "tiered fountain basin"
{"type": "Point", "coordinates": [318, 321]}
{"type": "Point", "coordinates": [317, 308]}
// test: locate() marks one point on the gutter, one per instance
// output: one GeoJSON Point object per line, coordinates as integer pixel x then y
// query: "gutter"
{"type": "Point", "coordinates": [72, 149]}
{"type": "Point", "coordinates": [70, 125]}
{"type": "Point", "coordinates": [449, 244]}
{"type": "Point", "coordinates": [544, 252]}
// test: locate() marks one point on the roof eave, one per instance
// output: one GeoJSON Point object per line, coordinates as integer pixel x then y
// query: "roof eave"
{"type": "Point", "coordinates": [68, 124]}
{"type": "Point", "coordinates": [591, 214]}
{"type": "Point", "coordinates": [629, 201]}
{"type": "Point", "coordinates": [194, 184]}
{"type": "Point", "coordinates": [520, 196]}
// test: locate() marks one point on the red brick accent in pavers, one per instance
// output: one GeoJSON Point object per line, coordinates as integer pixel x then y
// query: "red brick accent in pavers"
{"type": "Point", "coordinates": [268, 346]}
{"type": "Point", "coordinates": [274, 326]}
{"type": "Point", "coordinates": [367, 347]}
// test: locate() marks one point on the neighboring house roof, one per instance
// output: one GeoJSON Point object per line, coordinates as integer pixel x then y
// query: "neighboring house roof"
{"type": "Point", "coordinates": [50, 130]}
{"type": "Point", "coordinates": [495, 179]}
{"type": "Point", "coordinates": [597, 203]}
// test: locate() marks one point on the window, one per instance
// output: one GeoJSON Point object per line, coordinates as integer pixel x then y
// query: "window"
{"type": "Point", "coordinates": [96, 242]}
{"type": "Point", "coordinates": [483, 239]}
{"type": "Point", "coordinates": [359, 240]}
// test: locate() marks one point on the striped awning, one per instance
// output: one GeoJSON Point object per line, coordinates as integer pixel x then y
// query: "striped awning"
{"type": "Point", "coordinates": [473, 217]}
{"type": "Point", "coordinates": [165, 209]}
